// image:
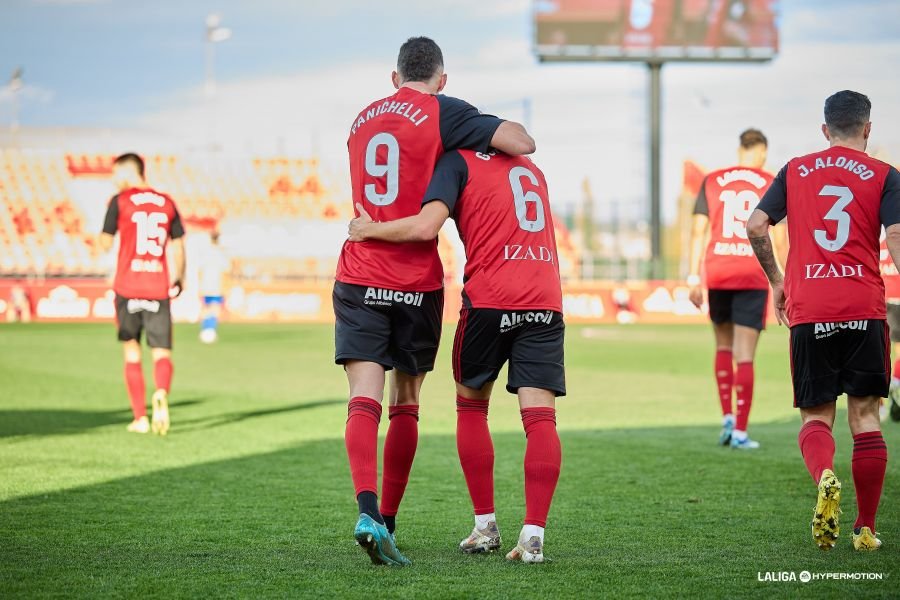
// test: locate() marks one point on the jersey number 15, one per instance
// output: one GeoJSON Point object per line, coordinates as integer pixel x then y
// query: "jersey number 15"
{"type": "Point", "coordinates": [150, 237]}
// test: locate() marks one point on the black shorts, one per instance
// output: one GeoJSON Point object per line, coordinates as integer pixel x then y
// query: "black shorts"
{"type": "Point", "coordinates": [134, 315]}
{"type": "Point", "coordinates": [532, 342]}
{"type": "Point", "coordinates": [893, 319]}
{"type": "Point", "coordinates": [741, 307]}
{"type": "Point", "coordinates": [830, 359]}
{"type": "Point", "coordinates": [398, 330]}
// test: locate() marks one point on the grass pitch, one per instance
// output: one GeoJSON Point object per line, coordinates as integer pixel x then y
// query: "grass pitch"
{"type": "Point", "coordinates": [250, 494]}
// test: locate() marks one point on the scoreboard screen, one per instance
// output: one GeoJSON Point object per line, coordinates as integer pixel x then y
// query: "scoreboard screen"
{"type": "Point", "coordinates": [656, 30]}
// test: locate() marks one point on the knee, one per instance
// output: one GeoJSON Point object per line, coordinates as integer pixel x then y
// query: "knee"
{"type": "Point", "coordinates": [161, 353]}
{"type": "Point", "coordinates": [406, 398]}
{"type": "Point", "coordinates": [132, 352]}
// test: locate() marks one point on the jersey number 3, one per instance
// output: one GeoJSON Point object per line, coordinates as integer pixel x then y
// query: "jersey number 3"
{"type": "Point", "coordinates": [838, 214]}
{"type": "Point", "coordinates": [521, 198]}
{"type": "Point", "coordinates": [390, 169]}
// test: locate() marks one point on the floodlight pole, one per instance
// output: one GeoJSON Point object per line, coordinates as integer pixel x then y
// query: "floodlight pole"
{"type": "Point", "coordinates": [15, 85]}
{"type": "Point", "coordinates": [657, 269]}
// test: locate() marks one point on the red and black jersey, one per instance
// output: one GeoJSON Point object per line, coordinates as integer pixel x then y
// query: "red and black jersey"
{"type": "Point", "coordinates": [836, 202]}
{"type": "Point", "coordinates": [501, 207]}
{"type": "Point", "coordinates": [146, 220]}
{"type": "Point", "coordinates": [727, 197]}
{"type": "Point", "coordinates": [394, 145]}
{"type": "Point", "coordinates": [889, 272]}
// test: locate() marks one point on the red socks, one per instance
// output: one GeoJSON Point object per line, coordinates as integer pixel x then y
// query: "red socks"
{"type": "Point", "coordinates": [476, 452]}
{"type": "Point", "coordinates": [399, 452]}
{"type": "Point", "coordinates": [543, 458]}
{"type": "Point", "coordinates": [724, 379]}
{"type": "Point", "coordinates": [162, 374]}
{"type": "Point", "coordinates": [817, 447]}
{"type": "Point", "coordinates": [896, 374]}
{"type": "Point", "coordinates": [869, 465]}
{"type": "Point", "coordinates": [134, 381]}
{"type": "Point", "coordinates": [361, 439]}
{"type": "Point", "coordinates": [743, 391]}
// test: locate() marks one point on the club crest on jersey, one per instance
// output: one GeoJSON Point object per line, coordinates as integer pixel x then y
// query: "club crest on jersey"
{"type": "Point", "coordinates": [515, 319]}
{"type": "Point", "coordinates": [826, 271]}
{"type": "Point", "coordinates": [824, 330]}
{"type": "Point", "coordinates": [383, 297]}
{"type": "Point", "coordinates": [520, 252]}
{"type": "Point", "coordinates": [135, 305]}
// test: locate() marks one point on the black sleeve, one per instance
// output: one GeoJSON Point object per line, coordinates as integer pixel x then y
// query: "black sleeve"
{"type": "Point", "coordinates": [774, 202]}
{"type": "Point", "coordinates": [448, 181]}
{"type": "Point", "coordinates": [177, 229]}
{"type": "Point", "coordinates": [111, 221]}
{"type": "Point", "coordinates": [701, 206]}
{"type": "Point", "coordinates": [890, 198]}
{"type": "Point", "coordinates": [463, 127]}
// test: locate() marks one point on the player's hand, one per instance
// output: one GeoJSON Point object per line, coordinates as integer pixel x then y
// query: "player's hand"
{"type": "Point", "coordinates": [357, 228]}
{"type": "Point", "coordinates": [176, 289]}
{"type": "Point", "coordinates": [779, 299]}
{"type": "Point", "coordinates": [696, 296]}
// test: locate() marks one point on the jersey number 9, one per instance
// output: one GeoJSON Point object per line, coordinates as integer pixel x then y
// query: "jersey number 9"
{"type": "Point", "coordinates": [390, 169]}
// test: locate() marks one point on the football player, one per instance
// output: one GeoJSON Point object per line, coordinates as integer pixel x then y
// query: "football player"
{"type": "Point", "coordinates": [511, 312]}
{"type": "Point", "coordinates": [832, 297]}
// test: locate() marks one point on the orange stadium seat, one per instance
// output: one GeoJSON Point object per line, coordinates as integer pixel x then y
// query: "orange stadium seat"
{"type": "Point", "coordinates": [281, 217]}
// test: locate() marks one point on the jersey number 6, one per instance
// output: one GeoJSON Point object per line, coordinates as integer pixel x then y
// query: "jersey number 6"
{"type": "Point", "coordinates": [522, 198]}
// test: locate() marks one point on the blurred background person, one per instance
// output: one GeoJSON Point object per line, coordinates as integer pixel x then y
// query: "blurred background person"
{"type": "Point", "coordinates": [213, 266]}
{"type": "Point", "coordinates": [738, 291]}
{"type": "Point", "coordinates": [19, 306]}
{"type": "Point", "coordinates": [149, 227]}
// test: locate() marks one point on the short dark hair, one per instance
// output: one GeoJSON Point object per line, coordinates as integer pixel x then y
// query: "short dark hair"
{"type": "Point", "coordinates": [846, 113]}
{"type": "Point", "coordinates": [131, 157]}
{"type": "Point", "coordinates": [753, 137]}
{"type": "Point", "coordinates": [419, 59]}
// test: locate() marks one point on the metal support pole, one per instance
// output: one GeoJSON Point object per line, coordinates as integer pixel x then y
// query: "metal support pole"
{"type": "Point", "coordinates": [657, 270]}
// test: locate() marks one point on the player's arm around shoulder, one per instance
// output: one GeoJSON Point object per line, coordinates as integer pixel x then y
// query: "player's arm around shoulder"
{"type": "Point", "coordinates": [448, 181]}
{"type": "Point", "coordinates": [464, 126]}
{"type": "Point", "coordinates": [512, 138]}
{"type": "Point", "coordinates": [417, 228]}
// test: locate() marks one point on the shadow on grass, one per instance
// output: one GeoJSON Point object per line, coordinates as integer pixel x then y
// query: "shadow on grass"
{"type": "Point", "coordinates": [36, 422]}
{"type": "Point", "coordinates": [236, 417]}
{"type": "Point", "coordinates": [641, 512]}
